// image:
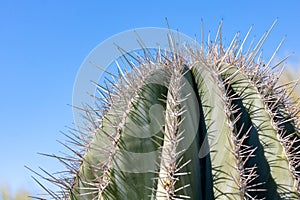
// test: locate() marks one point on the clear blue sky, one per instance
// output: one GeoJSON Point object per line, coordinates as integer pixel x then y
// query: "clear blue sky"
{"type": "Point", "coordinates": [44, 42]}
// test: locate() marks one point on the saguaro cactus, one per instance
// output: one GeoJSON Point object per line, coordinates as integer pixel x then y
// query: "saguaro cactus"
{"type": "Point", "coordinates": [207, 123]}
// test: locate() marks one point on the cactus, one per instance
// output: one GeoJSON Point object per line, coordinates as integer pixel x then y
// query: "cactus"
{"type": "Point", "coordinates": [288, 76]}
{"type": "Point", "coordinates": [5, 194]}
{"type": "Point", "coordinates": [208, 123]}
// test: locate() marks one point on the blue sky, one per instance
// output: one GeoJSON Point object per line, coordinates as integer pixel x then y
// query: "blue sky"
{"type": "Point", "coordinates": [44, 42]}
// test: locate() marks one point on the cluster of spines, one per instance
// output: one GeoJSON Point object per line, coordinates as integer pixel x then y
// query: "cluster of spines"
{"type": "Point", "coordinates": [240, 151]}
{"type": "Point", "coordinates": [169, 165]}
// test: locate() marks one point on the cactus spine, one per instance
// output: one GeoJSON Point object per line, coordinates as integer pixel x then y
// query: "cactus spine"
{"type": "Point", "coordinates": [190, 124]}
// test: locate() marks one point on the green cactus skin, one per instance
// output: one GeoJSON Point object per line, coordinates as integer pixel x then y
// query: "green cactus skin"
{"type": "Point", "coordinates": [214, 122]}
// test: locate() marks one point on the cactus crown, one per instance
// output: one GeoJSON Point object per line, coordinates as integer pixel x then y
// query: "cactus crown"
{"type": "Point", "coordinates": [186, 123]}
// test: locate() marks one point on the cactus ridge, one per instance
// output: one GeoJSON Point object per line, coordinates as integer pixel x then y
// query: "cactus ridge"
{"type": "Point", "coordinates": [185, 123]}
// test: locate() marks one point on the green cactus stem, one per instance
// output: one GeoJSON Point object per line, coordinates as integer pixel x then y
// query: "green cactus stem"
{"type": "Point", "coordinates": [200, 124]}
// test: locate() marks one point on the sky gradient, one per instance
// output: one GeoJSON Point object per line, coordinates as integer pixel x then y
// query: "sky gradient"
{"type": "Point", "coordinates": [44, 42]}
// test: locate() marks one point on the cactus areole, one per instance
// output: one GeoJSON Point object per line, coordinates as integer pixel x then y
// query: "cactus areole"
{"type": "Point", "coordinates": [188, 123]}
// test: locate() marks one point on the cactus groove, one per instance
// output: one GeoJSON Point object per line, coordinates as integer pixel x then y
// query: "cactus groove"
{"type": "Point", "coordinates": [200, 124]}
